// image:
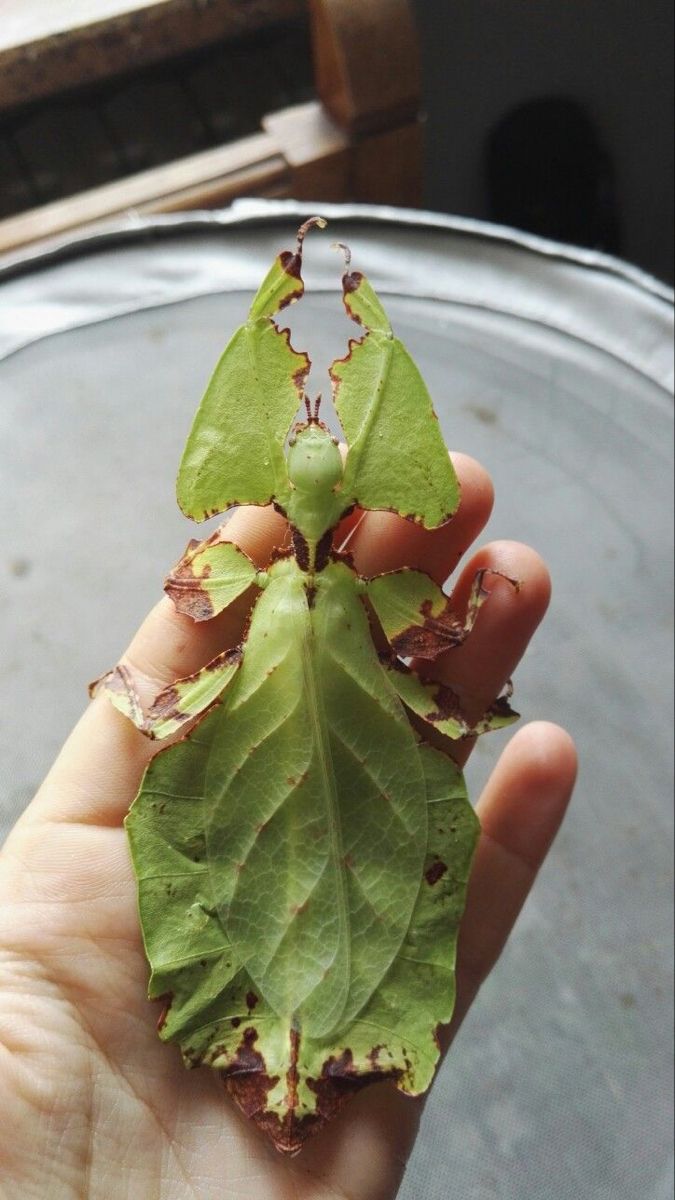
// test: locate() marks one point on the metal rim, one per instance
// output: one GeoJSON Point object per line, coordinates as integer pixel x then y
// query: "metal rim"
{"type": "Point", "coordinates": [599, 301]}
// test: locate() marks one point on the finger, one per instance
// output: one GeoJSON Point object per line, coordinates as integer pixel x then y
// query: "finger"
{"type": "Point", "coordinates": [521, 810]}
{"type": "Point", "coordinates": [478, 669]}
{"type": "Point", "coordinates": [383, 541]}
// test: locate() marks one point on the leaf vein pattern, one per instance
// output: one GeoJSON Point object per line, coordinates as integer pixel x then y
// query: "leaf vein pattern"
{"type": "Point", "coordinates": [284, 720]}
{"type": "Point", "coordinates": [177, 963]}
{"type": "Point", "coordinates": [364, 767]}
{"type": "Point", "coordinates": [396, 1033]}
{"type": "Point", "coordinates": [424, 962]}
{"type": "Point", "coordinates": [374, 407]}
{"type": "Point", "coordinates": [271, 817]}
{"type": "Point", "coordinates": [247, 751]}
{"type": "Point", "coordinates": [374, 699]}
{"type": "Point", "coordinates": [272, 448]}
{"type": "Point", "coordinates": [213, 859]}
{"type": "Point", "coordinates": [176, 874]}
{"type": "Point", "coordinates": [294, 916]}
{"type": "Point", "coordinates": [172, 795]}
{"type": "Point", "coordinates": [362, 890]}
{"type": "Point", "coordinates": [321, 737]}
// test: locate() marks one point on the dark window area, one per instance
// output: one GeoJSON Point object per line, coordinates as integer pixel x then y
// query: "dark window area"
{"type": "Point", "coordinates": [548, 172]}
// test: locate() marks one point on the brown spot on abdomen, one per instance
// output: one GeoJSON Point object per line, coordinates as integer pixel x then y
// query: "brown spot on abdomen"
{"type": "Point", "coordinates": [435, 872]}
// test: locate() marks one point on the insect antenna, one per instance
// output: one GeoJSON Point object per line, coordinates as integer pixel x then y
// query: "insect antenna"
{"type": "Point", "coordinates": [313, 223]}
{"type": "Point", "coordinates": [346, 252]}
{"type": "Point", "coordinates": [312, 409]}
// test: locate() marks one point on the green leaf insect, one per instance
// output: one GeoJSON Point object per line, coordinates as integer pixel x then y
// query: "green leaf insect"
{"type": "Point", "coordinates": [302, 850]}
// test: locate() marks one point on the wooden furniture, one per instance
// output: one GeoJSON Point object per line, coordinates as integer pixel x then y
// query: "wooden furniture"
{"type": "Point", "coordinates": [49, 45]}
{"type": "Point", "coordinates": [356, 134]}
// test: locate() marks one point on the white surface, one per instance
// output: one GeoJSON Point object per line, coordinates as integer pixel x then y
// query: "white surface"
{"type": "Point", "coordinates": [25, 21]}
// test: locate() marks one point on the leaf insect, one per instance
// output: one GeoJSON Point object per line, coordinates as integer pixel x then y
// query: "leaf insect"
{"type": "Point", "coordinates": [303, 851]}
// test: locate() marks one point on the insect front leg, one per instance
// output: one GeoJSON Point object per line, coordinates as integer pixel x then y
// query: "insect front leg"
{"type": "Point", "coordinates": [478, 595]}
{"type": "Point", "coordinates": [176, 705]}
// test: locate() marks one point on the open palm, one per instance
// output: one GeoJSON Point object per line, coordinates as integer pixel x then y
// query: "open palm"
{"type": "Point", "coordinates": [92, 1104]}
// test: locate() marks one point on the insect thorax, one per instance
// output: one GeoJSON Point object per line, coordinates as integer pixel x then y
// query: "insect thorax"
{"type": "Point", "coordinates": [315, 472]}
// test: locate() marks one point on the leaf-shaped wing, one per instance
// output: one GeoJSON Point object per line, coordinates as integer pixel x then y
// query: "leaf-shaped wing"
{"type": "Point", "coordinates": [397, 459]}
{"type": "Point", "coordinates": [209, 576]}
{"type": "Point", "coordinates": [316, 799]}
{"type": "Point", "coordinates": [235, 451]}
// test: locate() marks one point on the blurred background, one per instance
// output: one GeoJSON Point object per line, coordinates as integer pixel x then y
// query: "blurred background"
{"type": "Point", "coordinates": [555, 117]}
{"type": "Point", "coordinates": [120, 121]}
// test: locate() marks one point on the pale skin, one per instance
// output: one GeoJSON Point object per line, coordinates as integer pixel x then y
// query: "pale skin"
{"type": "Point", "coordinates": [92, 1105]}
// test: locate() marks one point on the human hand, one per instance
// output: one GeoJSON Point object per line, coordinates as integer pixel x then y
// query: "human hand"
{"type": "Point", "coordinates": [93, 1105]}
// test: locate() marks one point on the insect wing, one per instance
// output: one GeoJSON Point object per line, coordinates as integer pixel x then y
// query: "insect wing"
{"type": "Point", "coordinates": [397, 458]}
{"type": "Point", "coordinates": [235, 450]}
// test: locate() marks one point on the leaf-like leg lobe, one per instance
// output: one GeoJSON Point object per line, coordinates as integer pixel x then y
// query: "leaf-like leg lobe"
{"type": "Point", "coordinates": [209, 577]}
{"type": "Point", "coordinates": [416, 616]}
{"type": "Point", "coordinates": [176, 705]}
{"type": "Point", "coordinates": [439, 706]}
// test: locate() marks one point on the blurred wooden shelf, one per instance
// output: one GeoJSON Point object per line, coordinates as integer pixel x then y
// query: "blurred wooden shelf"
{"type": "Point", "coordinates": [47, 46]}
{"type": "Point", "coordinates": [270, 114]}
